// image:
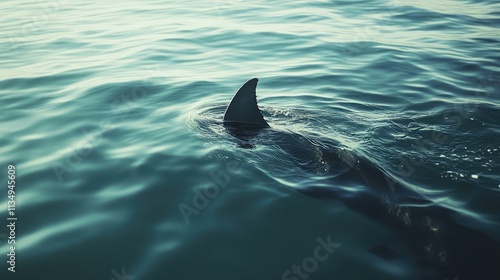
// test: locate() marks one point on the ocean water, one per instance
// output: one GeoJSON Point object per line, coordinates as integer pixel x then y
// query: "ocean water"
{"type": "Point", "coordinates": [111, 115]}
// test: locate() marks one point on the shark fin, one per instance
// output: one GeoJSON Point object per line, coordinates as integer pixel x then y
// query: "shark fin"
{"type": "Point", "coordinates": [243, 108]}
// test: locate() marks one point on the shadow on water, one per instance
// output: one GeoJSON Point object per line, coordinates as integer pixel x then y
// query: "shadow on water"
{"type": "Point", "coordinates": [443, 248]}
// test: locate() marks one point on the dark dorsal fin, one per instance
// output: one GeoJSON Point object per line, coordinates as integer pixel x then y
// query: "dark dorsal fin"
{"type": "Point", "coordinates": [243, 108]}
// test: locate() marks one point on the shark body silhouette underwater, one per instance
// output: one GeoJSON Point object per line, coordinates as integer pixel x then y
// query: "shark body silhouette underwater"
{"type": "Point", "coordinates": [444, 248]}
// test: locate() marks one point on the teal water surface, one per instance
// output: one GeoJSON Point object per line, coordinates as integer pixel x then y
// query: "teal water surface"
{"type": "Point", "coordinates": [111, 114]}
